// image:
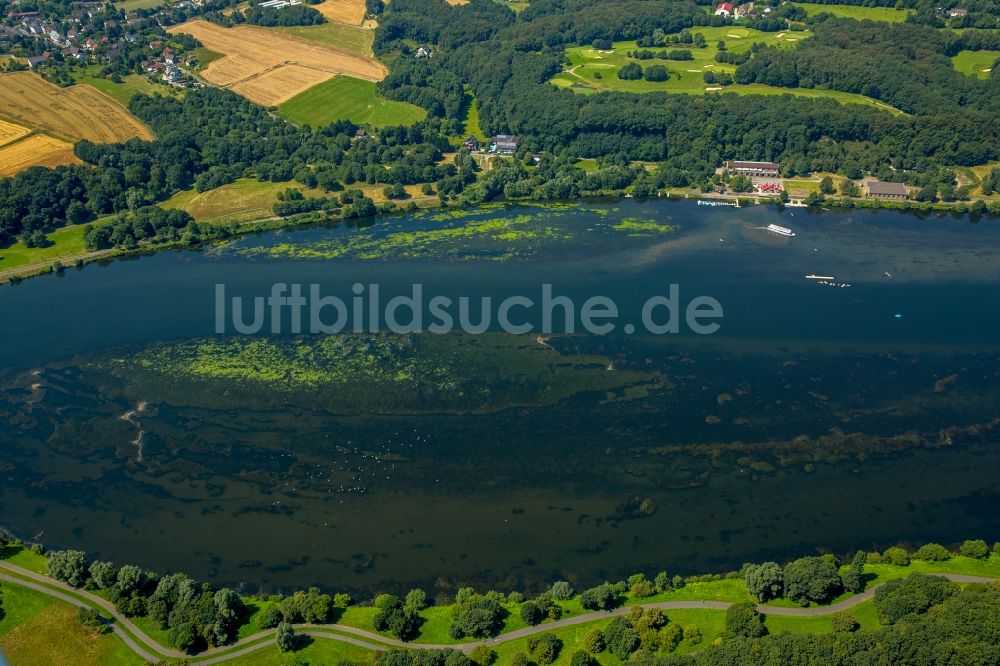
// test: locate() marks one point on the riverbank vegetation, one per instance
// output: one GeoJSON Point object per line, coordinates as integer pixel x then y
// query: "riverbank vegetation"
{"type": "Point", "coordinates": [168, 606]}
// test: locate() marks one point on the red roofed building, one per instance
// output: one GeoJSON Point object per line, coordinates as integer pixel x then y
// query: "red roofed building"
{"type": "Point", "coordinates": [724, 9]}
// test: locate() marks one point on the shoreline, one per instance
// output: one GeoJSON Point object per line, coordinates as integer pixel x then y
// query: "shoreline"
{"type": "Point", "coordinates": [59, 264]}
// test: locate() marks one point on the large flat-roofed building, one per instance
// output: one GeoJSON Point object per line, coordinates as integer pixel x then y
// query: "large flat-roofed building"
{"type": "Point", "coordinates": [875, 188]}
{"type": "Point", "coordinates": [770, 169]}
{"type": "Point", "coordinates": [504, 144]}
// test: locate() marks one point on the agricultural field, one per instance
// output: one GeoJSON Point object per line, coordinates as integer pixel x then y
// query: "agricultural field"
{"type": "Point", "coordinates": [36, 150]}
{"type": "Point", "coordinates": [10, 132]}
{"type": "Point", "coordinates": [346, 98]}
{"type": "Point", "coordinates": [270, 67]}
{"type": "Point", "coordinates": [344, 37]}
{"type": "Point", "coordinates": [975, 63]}
{"type": "Point", "coordinates": [74, 113]}
{"type": "Point", "coordinates": [592, 70]}
{"type": "Point", "coordinates": [347, 12]}
{"type": "Point", "coordinates": [885, 14]}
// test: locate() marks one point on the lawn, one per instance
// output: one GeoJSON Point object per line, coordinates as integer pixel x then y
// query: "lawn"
{"type": "Point", "coordinates": [35, 629]}
{"type": "Point", "coordinates": [885, 14]}
{"type": "Point", "coordinates": [348, 38]}
{"type": "Point", "coordinates": [346, 98]}
{"type": "Point", "coordinates": [321, 651]}
{"type": "Point", "coordinates": [591, 70]}
{"type": "Point", "coordinates": [67, 242]}
{"type": "Point", "coordinates": [131, 85]}
{"type": "Point", "coordinates": [975, 63]}
{"type": "Point", "coordinates": [203, 56]}
{"type": "Point", "coordinates": [472, 121]}
{"type": "Point", "coordinates": [239, 201]}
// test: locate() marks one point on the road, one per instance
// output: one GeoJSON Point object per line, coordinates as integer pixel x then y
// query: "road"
{"type": "Point", "coordinates": [151, 651]}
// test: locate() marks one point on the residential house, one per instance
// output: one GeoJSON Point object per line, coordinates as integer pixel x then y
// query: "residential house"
{"type": "Point", "coordinates": [35, 61]}
{"type": "Point", "coordinates": [880, 190]}
{"type": "Point", "coordinates": [958, 12]}
{"type": "Point", "coordinates": [724, 9]}
{"type": "Point", "coordinates": [472, 143]}
{"type": "Point", "coordinates": [746, 10]}
{"type": "Point", "coordinates": [422, 52]}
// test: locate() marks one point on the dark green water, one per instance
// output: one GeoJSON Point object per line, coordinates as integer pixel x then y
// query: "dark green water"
{"type": "Point", "coordinates": [814, 418]}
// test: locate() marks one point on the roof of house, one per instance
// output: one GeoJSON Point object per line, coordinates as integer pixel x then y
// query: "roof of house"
{"type": "Point", "coordinates": [735, 164]}
{"type": "Point", "coordinates": [728, 6]}
{"type": "Point", "coordinates": [878, 187]}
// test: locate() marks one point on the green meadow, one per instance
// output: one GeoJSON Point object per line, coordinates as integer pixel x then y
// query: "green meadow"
{"type": "Point", "coordinates": [885, 14]}
{"type": "Point", "coordinates": [975, 63]}
{"type": "Point", "coordinates": [346, 98]}
{"type": "Point", "coordinates": [131, 85]}
{"type": "Point", "coordinates": [591, 70]}
{"type": "Point", "coordinates": [239, 201]}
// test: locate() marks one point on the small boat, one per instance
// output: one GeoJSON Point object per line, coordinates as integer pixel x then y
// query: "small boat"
{"type": "Point", "coordinates": [898, 316]}
{"type": "Point", "coordinates": [781, 231]}
{"type": "Point", "coordinates": [703, 202]}
{"type": "Point", "coordinates": [887, 274]}
{"type": "Point", "coordinates": [819, 277]}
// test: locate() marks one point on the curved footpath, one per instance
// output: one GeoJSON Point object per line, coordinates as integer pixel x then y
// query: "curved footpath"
{"type": "Point", "coordinates": [133, 636]}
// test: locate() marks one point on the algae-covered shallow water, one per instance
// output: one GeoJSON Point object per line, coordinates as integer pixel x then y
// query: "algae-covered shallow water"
{"type": "Point", "coordinates": [815, 416]}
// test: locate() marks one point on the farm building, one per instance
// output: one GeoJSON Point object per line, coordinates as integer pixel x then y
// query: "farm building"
{"type": "Point", "coordinates": [771, 169]}
{"type": "Point", "coordinates": [504, 144]}
{"type": "Point", "coordinates": [875, 188]}
{"type": "Point", "coordinates": [724, 9]}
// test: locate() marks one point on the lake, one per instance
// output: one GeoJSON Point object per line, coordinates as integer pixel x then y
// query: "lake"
{"type": "Point", "coordinates": [818, 417]}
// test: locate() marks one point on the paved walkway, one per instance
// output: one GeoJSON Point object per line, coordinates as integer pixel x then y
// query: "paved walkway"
{"type": "Point", "coordinates": [153, 652]}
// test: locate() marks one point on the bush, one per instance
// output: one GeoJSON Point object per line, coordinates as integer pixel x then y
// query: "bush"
{"type": "Point", "coordinates": [602, 597]}
{"type": "Point", "coordinates": [842, 622]}
{"type": "Point", "coordinates": [692, 634]}
{"type": "Point", "coordinates": [976, 548]}
{"type": "Point", "coordinates": [594, 642]}
{"type": "Point", "coordinates": [897, 556]}
{"type": "Point", "coordinates": [630, 72]}
{"type": "Point", "coordinates": [764, 581]}
{"type": "Point", "coordinates": [182, 636]}
{"type": "Point", "coordinates": [392, 616]}
{"type": "Point", "coordinates": [531, 613]}
{"type": "Point", "coordinates": [744, 621]}
{"type": "Point", "coordinates": [662, 581]}
{"type": "Point", "coordinates": [932, 552]}
{"type": "Point", "coordinates": [93, 620]}
{"type": "Point", "coordinates": [68, 566]}
{"type": "Point", "coordinates": [581, 658]}
{"type": "Point", "coordinates": [544, 647]}
{"type": "Point", "coordinates": [671, 636]}
{"type": "Point", "coordinates": [483, 656]}
{"type": "Point", "coordinates": [656, 73]}
{"type": "Point", "coordinates": [416, 599]}
{"type": "Point", "coordinates": [271, 617]}
{"type": "Point", "coordinates": [103, 574]}
{"type": "Point", "coordinates": [642, 589]}
{"type": "Point", "coordinates": [476, 616]}
{"type": "Point", "coordinates": [561, 590]}
{"type": "Point", "coordinates": [621, 638]}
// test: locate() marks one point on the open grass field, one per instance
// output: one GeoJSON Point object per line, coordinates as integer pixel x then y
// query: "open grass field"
{"type": "Point", "coordinates": [270, 67]}
{"type": "Point", "coordinates": [241, 200]}
{"type": "Point", "coordinates": [38, 630]}
{"type": "Point", "coordinates": [36, 150]}
{"type": "Point", "coordinates": [10, 132]}
{"type": "Point", "coordinates": [347, 12]}
{"type": "Point", "coordinates": [66, 242]}
{"type": "Point", "coordinates": [885, 14]}
{"type": "Point", "coordinates": [975, 63]}
{"type": "Point", "coordinates": [344, 37]}
{"type": "Point", "coordinates": [596, 71]}
{"type": "Point", "coordinates": [131, 85]}
{"type": "Point", "coordinates": [472, 121]}
{"type": "Point", "coordinates": [346, 98]}
{"type": "Point", "coordinates": [77, 112]}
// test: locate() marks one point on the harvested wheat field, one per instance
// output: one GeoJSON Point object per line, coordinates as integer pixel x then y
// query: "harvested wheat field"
{"type": "Point", "coordinates": [37, 150]}
{"type": "Point", "coordinates": [457, 2]}
{"type": "Point", "coordinates": [348, 12]}
{"type": "Point", "coordinates": [279, 85]}
{"type": "Point", "coordinates": [269, 67]}
{"type": "Point", "coordinates": [77, 112]}
{"type": "Point", "coordinates": [11, 132]}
